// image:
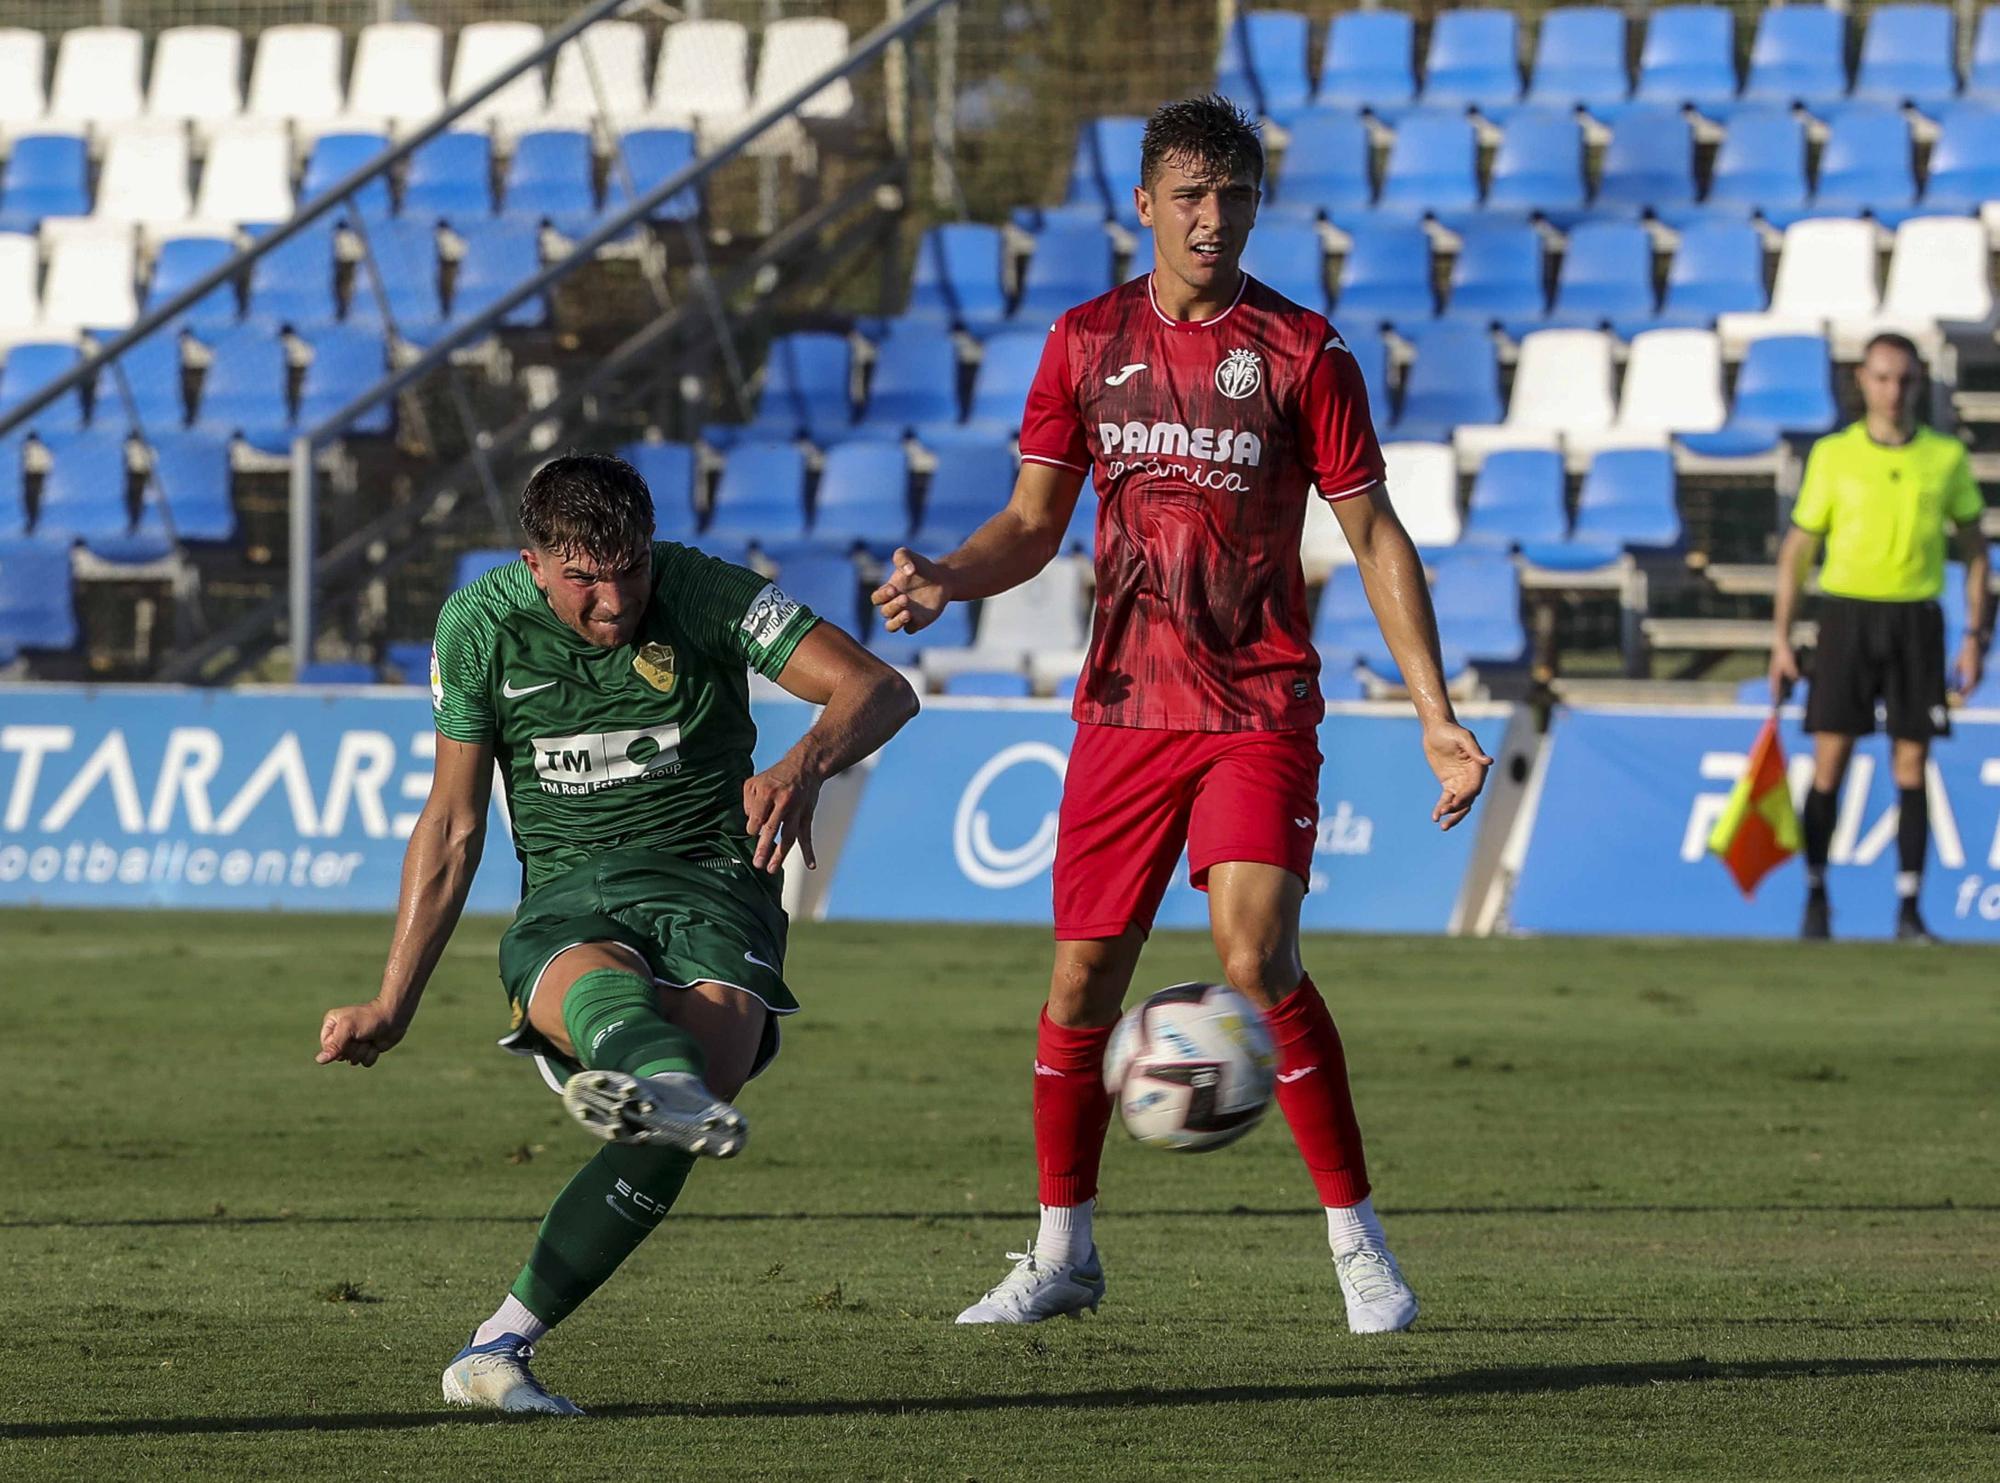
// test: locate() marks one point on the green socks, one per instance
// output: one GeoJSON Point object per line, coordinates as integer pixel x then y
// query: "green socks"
{"type": "Point", "coordinates": [598, 1220]}
{"type": "Point", "coordinates": [615, 1024]}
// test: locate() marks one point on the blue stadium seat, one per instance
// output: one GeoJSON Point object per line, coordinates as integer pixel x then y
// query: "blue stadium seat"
{"type": "Point", "coordinates": [336, 156]}
{"type": "Point", "coordinates": [243, 391]}
{"type": "Point", "coordinates": [336, 672]}
{"type": "Point", "coordinates": [29, 367]}
{"type": "Point", "coordinates": [1648, 163]}
{"type": "Point", "coordinates": [1375, 658]}
{"type": "Point", "coordinates": [347, 359]}
{"type": "Point", "coordinates": [957, 278]}
{"type": "Point", "coordinates": [1606, 278]}
{"type": "Point", "coordinates": [1517, 496]}
{"type": "Point", "coordinates": [1141, 264]}
{"type": "Point", "coordinates": [1689, 58]}
{"type": "Point", "coordinates": [1761, 166]}
{"type": "Point", "coordinates": [550, 179]}
{"type": "Point", "coordinates": [1370, 62]}
{"type": "Point", "coordinates": [826, 582]}
{"type": "Point", "coordinates": [1433, 165]}
{"type": "Point", "coordinates": [191, 478]}
{"type": "Point", "coordinates": [1105, 169]}
{"type": "Point", "coordinates": [972, 483]}
{"type": "Point", "coordinates": [653, 156]}
{"type": "Point", "coordinates": [1628, 502]}
{"type": "Point", "coordinates": [1909, 55]}
{"type": "Point", "coordinates": [1474, 61]}
{"type": "Point", "coordinates": [409, 288]}
{"type": "Point", "coordinates": [1718, 268]}
{"type": "Point", "coordinates": [183, 262]}
{"type": "Point", "coordinates": [451, 177]}
{"type": "Point", "coordinates": [915, 381]}
{"type": "Point", "coordinates": [1262, 67]}
{"type": "Point", "coordinates": [1006, 370]}
{"type": "Point", "coordinates": [472, 565]}
{"type": "Point", "coordinates": [84, 498]}
{"type": "Point", "coordinates": [1867, 165]}
{"type": "Point", "coordinates": [1785, 386]}
{"type": "Point", "coordinates": [951, 630]}
{"type": "Point", "coordinates": [864, 497]}
{"type": "Point", "coordinates": [1539, 166]}
{"type": "Point", "coordinates": [996, 684]}
{"type": "Point", "coordinates": [761, 496]}
{"type": "Point", "coordinates": [1982, 77]}
{"type": "Point", "coordinates": [1478, 599]}
{"type": "Point", "coordinates": [1965, 161]}
{"type": "Point", "coordinates": [47, 175]}
{"type": "Point", "coordinates": [1371, 354]}
{"type": "Point", "coordinates": [409, 662]}
{"type": "Point", "coordinates": [1580, 59]}
{"type": "Point", "coordinates": [1289, 256]}
{"type": "Point", "coordinates": [1080, 535]}
{"type": "Point", "coordinates": [1454, 380]}
{"type": "Point", "coordinates": [151, 372]}
{"type": "Point", "coordinates": [1072, 264]}
{"type": "Point", "coordinates": [293, 283]}
{"type": "Point", "coordinates": [1343, 621]}
{"type": "Point", "coordinates": [37, 598]}
{"type": "Point", "coordinates": [499, 256]}
{"type": "Point", "coordinates": [13, 486]}
{"type": "Point", "coordinates": [1325, 169]}
{"type": "Point", "coordinates": [1799, 56]}
{"type": "Point", "coordinates": [807, 379]}
{"type": "Point", "coordinates": [668, 469]}
{"type": "Point", "coordinates": [1498, 276]}
{"type": "Point", "coordinates": [1386, 276]}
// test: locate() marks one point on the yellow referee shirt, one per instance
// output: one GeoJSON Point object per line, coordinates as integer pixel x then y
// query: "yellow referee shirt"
{"type": "Point", "coordinates": [1883, 510]}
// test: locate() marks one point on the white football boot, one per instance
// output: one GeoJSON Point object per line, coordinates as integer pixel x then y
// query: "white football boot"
{"type": "Point", "coordinates": [672, 1108]}
{"type": "Point", "coordinates": [1379, 1301]}
{"type": "Point", "coordinates": [1035, 1290]}
{"type": "Point", "coordinates": [495, 1376]}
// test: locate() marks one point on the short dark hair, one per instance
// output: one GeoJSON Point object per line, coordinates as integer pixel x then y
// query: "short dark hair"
{"type": "Point", "coordinates": [588, 504]}
{"type": "Point", "coordinates": [1895, 342]}
{"type": "Point", "coordinates": [1209, 134]}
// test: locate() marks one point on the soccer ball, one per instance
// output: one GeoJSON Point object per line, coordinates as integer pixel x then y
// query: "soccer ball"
{"type": "Point", "coordinates": [1190, 1069]}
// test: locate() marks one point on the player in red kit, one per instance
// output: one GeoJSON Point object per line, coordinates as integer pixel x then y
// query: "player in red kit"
{"type": "Point", "coordinates": [1209, 408]}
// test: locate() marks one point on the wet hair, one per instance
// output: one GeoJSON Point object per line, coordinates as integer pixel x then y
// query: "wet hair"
{"type": "Point", "coordinates": [1208, 136]}
{"type": "Point", "coordinates": [1895, 342]}
{"type": "Point", "coordinates": [588, 504]}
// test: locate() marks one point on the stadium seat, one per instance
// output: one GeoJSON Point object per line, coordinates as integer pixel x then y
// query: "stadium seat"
{"type": "Point", "coordinates": [761, 496]}
{"type": "Point", "coordinates": [1370, 62]}
{"type": "Point", "coordinates": [1718, 268]}
{"type": "Point", "coordinates": [91, 280]}
{"type": "Point", "coordinates": [244, 390]}
{"type": "Point", "coordinates": [1071, 264]}
{"type": "Point", "coordinates": [20, 296]}
{"type": "Point", "coordinates": [1982, 76]}
{"type": "Point", "coordinates": [790, 53]}
{"type": "Point", "coordinates": [1867, 165]}
{"type": "Point", "coordinates": [1371, 354]}
{"type": "Point", "coordinates": [669, 471]}
{"type": "Point", "coordinates": [143, 390]}
{"type": "Point", "coordinates": [1322, 544]}
{"type": "Point", "coordinates": [1648, 163]}
{"type": "Point", "coordinates": [1965, 161]}
{"type": "Point", "coordinates": [190, 479]}
{"type": "Point", "coordinates": [1673, 385]}
{"type": "Point", "coordinates": [398, 73]}
{"type": "Point", "coordinates": [472, 565]}
{"type": "Point", "coordinates": [31, 366]}
{"type": "Point", "coordinates": [1141, 264]}
{"type": "Point", "coordinates": [807, 383]}
{"type": "Point", "coordinates": [1325, 168]}
{"type": "Point", "coordinates": [1477, 595]}
{"type": "Point", "coordinates": [1105, 168]}
{"type": "Point", "coordinates": [144, 181]}
{"type": "Point", "coordinates": [1909, 55]}
{"type": "Point", "coordinates": [1289, 257]}
{"type": "Point", "coordinates": [1538, 168]}
{"type": "Point", "coordinates": [971, 483]}
{"type": "Point", "coordinates": [550, 179]}
{"type": "Point", "coordinates": [37, 598]}
{"type": "Point", "coordinates": [197, 76]}
{"type": "Point", "coordinates": [47, 175]}
{"type": "Point", "coordinates": [600, 74]}
{"type": "Point", "coordinates": [1386, 276]}
{"type": "Point", "coordinates": [1498, 276]}
{"type": "Point", "coordinates": [396, 283]}
{"type": "Point", "coordinates": [1047, 613]}
{"type": "Point", "coordinates": [97, 78]}
{"type": "Point", "coordinates": [1562, 386]}
{"type": "Point", "coordinates": [703, 78]}
{"type": "Point", "coordinates": [1799, 56]}
{"type": "Point", "coordinates": [13, 492]}
{"type": "Point", "coordinates": [293, 283]}
{"type": "Point", "coordinates": [995, 684]}
{"type": "Point", "coordinates": [1474, 61]}
{"type": "Point", "coordinates": [84, 497]}
{"type": "Point", "coordinates": [485, 50]}
{"type": "Point", "coordinates": [915, 381]}
{"type": "Point", "coordinates": [1761, 166]}
{"type": "Point", "coordinates": [1689, 58]}
{"type": "Point", "coordinates": [347, 359]}
{"type": "Point", "coordinates": [1263, 63]}
{"type": "Point", "coordinates": [336, 156]}
{"type": "Point", "coordinates": [1343, 622]}
{"type": "Point", "coordinates": [451, 177]}
{"type": "Point", "coordinates": [1938, 277]}
{"type": "Point", "coordinates": [1627, 502]}
{"type": "Point", "coordinates": [336, 672]}
{"type": "Point", "coordinates": [1580, 59]}
{"type": "Point", "coordinates": [248, 174]}
{"type": "Point", "coordinates": [1422, 480]}
{"type": "Point", "coordinates": [1785, 386]}
{"type": "Point", "coordinates": [1006, 369]}
{"type": "Point", "coordinates": [23, 62]}
{"type": "Point", "coordinates": [652, 156]}
{"type": "Point", "coordinates": [1826, 272]}
{"type": "Point", "coordinates": [957, 278]}
{"type": "Point", "coordinates": [1517, 497]}
{"type": "Point", "coordinates": [826, 582]}
{"type": "Point", "coordinates": [1433, 166]}
{"type": "Point", "coordinates": [863, 497]}
{"type": "Point", "coordinates": [296, 74]}
{"type": "Point", "coordinates": [1606, 278]}
{"type": "Point", "coordinates": [498, 257]}
{"type": "Point", "coordinates": [1080, 535]}
{"type": "Point", "coordinates": [1454, 379]}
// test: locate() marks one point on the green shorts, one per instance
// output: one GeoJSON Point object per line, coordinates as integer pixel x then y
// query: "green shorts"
{"type": "Point", "coordinates": [689, 922]}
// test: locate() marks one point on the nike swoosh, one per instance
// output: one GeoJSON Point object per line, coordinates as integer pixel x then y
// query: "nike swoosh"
{"type": "Point", "coordinates": [753, 958]}
{"type": "Point", "coordinates": [1292, 1076]}
{"type": "Point", "coordinates": [1126, 374]}
{"type": "Point", "coordinates": [507, 688]}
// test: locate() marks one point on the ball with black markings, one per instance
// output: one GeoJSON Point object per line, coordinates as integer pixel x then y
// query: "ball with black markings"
{"type": "Point", "coordinates": [1191, 1068]}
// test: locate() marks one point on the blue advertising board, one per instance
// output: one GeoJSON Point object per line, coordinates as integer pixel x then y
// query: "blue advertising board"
{"type": "Point", "coordinates": [1627, 798]}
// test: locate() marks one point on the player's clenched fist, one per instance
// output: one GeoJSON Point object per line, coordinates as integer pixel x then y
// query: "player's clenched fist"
{"type": "Point", "coordinates": [358, 1034]}
{"type": "Point", "coordinates": [913, 595]}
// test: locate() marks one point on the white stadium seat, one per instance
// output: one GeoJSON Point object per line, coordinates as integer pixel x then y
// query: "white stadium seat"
{"type": "Point", "coordinates": [145, 179]}
{"type": "Point", "coordinates": [23, 100]}
{"type": "Point", "coordinates": [1422, 480]}
{"type": "Point", "coordinates": [486, 49]}
{"type": "Point", "coordinates": [1562, 386]}
{"type": "Point", "coordinates": [1937, 277]}
{"type": "Point", "coordinates": [796, 51]}
{"type": "Point", "coordinates": [97, 76]}
{"type": "Point", "coordinates": [1826, 272]}
{"type": "Point", "coordinates": [1323, 544]}
{"type": "Point", "coordinates": [197, 75]}
{"type": "Point", "coordinates": [398, 73]}
{"type": "Point", "coordinates": [248, 174]}
{"type": "Point", "coordinates": [91, 283]}
{"type": "Point", "coordinates": [296, 74]}
{"type": "Point", "coordinates": [1047, 614]}
{"type": "Point", "coordinates": [703, 76]}
{"type": "Point", "coordinates": [20, 305]}
{"type": "Point", "coordinates": [1673, 384]}
{"type": "Point", "coordinates": [611, 56]}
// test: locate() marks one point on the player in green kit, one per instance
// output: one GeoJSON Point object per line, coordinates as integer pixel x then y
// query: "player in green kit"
{"type": "Point", "coordinates": [606, 675]}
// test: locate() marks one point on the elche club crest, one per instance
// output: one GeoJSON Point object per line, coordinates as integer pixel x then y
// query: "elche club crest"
{"type": "Point", "coordinates": [1239, 375]}
{"type": "Point", "coordinates": [655, 665]}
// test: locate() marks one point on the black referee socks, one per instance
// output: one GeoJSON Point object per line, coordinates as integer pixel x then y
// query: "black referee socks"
{"type": "Point", "coordinates": [1913, 837]}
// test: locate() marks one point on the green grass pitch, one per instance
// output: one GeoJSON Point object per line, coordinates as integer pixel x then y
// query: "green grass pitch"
{"type": "Point", "coordinates": [1674, 1211]}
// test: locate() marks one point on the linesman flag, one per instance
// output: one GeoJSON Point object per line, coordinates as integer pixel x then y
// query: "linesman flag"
{"type": "Point", "coordinates": [1758, 830]}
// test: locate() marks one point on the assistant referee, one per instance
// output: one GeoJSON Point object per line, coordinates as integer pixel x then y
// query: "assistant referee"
{"type": "Point", "coordinates": [1880, 494]}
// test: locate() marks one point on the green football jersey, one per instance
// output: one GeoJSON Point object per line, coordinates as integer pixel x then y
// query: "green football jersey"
{"type": "Point", "coordinates": [646, 744]}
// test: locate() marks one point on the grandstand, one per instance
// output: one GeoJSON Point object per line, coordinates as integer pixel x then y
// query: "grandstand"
{"type": "Point", "coordinates": [1602, 273]}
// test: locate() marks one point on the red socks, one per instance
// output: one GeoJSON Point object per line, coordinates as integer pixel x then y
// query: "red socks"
{"type": "Point", "coordinates": [1072, 1110]}
{"type": "Point", "coordinates": [1313, 1094]}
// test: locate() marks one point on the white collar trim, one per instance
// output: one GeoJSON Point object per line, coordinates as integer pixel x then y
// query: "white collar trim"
{"type": "Point", "coordinates": [1242, 282]}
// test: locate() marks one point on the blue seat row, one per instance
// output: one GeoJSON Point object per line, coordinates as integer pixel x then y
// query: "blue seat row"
{"type": "Point", "coordinates": [1627, 503]}
{"type": "Point", "coordinates": [86, 493]}
{"type": "Point", "coordinates": [1477, 595]}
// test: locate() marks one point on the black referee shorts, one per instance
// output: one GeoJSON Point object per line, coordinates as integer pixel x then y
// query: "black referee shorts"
{"type": "Point", "coordinates": [1892, 652]}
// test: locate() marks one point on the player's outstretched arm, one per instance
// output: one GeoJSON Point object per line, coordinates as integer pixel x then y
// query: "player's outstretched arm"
{"type": "Point", "coordinates": [863, 703]}
{"type": "Point", "coordinates": [438, 866]}
{"type": "Point", "coordinates": [1004, 552]}
{"type": "Point", "coordinates": [1393, 575]}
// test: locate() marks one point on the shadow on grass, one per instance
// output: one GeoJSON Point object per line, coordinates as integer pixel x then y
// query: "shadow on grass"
{"type": "Point", "coordinates": [1522, 1380]}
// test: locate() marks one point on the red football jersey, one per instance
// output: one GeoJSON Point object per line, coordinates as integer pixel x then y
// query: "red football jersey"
{"type": "Point", "coordinates": [1204, 441]}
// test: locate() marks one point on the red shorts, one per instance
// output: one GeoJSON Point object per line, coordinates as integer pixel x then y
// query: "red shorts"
{"type": "Point", "coordinates": [1133, 796]}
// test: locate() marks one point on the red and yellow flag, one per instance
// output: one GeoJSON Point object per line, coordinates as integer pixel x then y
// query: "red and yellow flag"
{"type": "Point", "coordinates": [1759, 829]}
